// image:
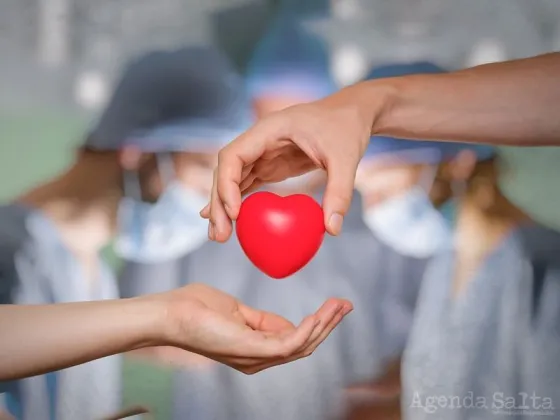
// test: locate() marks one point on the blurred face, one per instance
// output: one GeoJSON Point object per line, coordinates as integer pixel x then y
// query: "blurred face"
{"type": "Point", "coordinates": [378, 182]}
{"type": "Point", "coordinates": [193, 170]}
{"type": "Point", "coordinates": [196, 171]}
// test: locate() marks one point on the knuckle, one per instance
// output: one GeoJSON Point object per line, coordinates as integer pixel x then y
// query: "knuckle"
{"type": "Point", "coordinates": [222, 155]}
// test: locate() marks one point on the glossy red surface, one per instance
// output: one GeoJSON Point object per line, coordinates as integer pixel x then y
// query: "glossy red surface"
{"type": "Point", "coordinates": [280, 235]}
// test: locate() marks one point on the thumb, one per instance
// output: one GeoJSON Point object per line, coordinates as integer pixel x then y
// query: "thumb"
{"type": "Point", "coordinates": [338, 195]}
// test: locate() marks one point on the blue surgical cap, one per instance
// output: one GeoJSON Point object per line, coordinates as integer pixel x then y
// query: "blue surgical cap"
{"type": "Point", "coordinates": [410, 151]}
{"type": "Point", "coordinates": [290, 61]}
{"type": "Point", "coordinates": [183, 100]}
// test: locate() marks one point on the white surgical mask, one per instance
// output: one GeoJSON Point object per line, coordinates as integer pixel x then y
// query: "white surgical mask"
{"type": "Point", "coordinates": [161, 231]}
{"type": "Point", "coordinates": [409, 224]}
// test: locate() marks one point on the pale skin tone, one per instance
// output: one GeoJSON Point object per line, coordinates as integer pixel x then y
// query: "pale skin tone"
{"type": "Point", "coordinates": [195, 318]}
{"type": "Point", "coordinates": [509, 103]}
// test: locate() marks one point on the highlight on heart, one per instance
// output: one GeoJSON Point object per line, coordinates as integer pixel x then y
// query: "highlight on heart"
{"type": "Point", "coordinates": [280, 235]}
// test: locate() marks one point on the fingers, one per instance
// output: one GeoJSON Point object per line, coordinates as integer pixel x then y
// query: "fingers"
{"type": "Point", "coordinates": [219, 225]}
{"type": "Point", "coordinates": [327, 319]}
{"type": "Point", "coordinates": [232, 159]}
{"type": "Point", "coordinates": [341, 172]}
{"type": "Point", "coordinates": [310, 333]}
{"type": "Point", "coordinates": [249, 184]}
{"type": "Point", "coordinates": [329, 325]}
{"type": "Point", "coordinates": [226, 194]}
{"type": "Point", "coordinates": [281, 346]}
{"type": "Point", "coordinates": [264, 321]}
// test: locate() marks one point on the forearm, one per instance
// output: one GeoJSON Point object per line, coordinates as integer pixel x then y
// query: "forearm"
{"type": "Point", "coordinates": [39, 338]}
{"type": "Point", "coordinates": [510, 103]}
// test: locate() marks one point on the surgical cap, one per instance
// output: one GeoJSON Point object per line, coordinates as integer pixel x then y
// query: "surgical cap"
{"type": "Point", "coordinates": [182, 100]}
{"type": "Point", "coordinates": [290, 61]}
{"type": "Point", "coordinates": [410, 151]}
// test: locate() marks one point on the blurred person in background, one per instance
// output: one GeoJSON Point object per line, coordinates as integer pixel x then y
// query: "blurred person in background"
{"type": "Point", "coordinates": [52, 235]}
{"type": "Point", "coordinates": [290, 65]}
{"type": "Point", "coordinates": [396, 179]}
{"type": "Point", "coordinates": [486, 322]}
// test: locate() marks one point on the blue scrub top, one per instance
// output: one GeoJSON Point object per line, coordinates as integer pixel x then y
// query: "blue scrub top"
{"type": "Point", "coordinates": [36, 268]}
{"type": "Point", "coordinates": [492, 352]}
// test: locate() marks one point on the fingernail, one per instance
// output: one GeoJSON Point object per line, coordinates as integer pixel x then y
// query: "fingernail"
{"type": "Point", "coordinates": [335, 223]}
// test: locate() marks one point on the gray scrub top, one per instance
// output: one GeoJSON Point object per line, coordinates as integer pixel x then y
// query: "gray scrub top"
{"type": "Point", "coordinates": [382, 285]}
{"type": "Point", "coordinates": [36, 268]}
{"type": "Point", "coordinates": [491, 353]}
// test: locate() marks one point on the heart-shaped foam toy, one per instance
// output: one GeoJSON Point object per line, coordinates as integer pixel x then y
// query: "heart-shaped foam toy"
{"type": "Point", "coordinates": [280, 235]}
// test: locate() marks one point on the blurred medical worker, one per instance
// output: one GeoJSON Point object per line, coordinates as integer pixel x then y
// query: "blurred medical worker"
{"type": "Point", "coordinates": [289, 66]}
{"type": "Point", "coordinates": [486, 323]}
{"type": "Point", "coordinates": [131, 183]}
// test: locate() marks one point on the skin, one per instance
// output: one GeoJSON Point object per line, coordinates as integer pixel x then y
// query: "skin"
{"type": "Point", "coordinates": [83, 203]}
{"type": "Point", "coordinates": [508, 103]}
{"type": "Point", "coordinates": [195, 318]}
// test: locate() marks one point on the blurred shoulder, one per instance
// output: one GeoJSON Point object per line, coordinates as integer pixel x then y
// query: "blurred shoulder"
{"type": "Point", "coordinates": [17, 248]}
{"type": "Point", "coordinates": [540, 244]}
{"type": "Point", "coordinates": [15, 236]}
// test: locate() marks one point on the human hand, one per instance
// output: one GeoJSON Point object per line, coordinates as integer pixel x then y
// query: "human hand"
{"type": "Point", "coordinates": [208, 322]}
{"type": "Point", "coordinates": [331, 134]}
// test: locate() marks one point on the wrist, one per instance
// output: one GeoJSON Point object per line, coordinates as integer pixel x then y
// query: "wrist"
{"type": "Point", "coordinates": [378, 99]}
{"type": "Point", "coordinates": [151, 313]}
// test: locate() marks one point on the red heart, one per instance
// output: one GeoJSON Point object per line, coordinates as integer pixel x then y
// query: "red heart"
{"type": "Point", "coordinates": [280, 235]}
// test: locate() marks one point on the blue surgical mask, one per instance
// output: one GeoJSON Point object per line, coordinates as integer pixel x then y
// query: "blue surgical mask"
{"type": "Point", "coordinates": [410, 224]}
{"type": "Point", "coordinates": [161, 231]}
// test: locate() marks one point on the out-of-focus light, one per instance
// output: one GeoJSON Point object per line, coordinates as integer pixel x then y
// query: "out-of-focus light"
{"type": "Point", "coordinates": [345, 9]}
{"type": "Point", "coordinates": [91, 90]}
{"type": "Point", "coordinates": [487, 51]}
{"type": "Point", "coordinates": [349, 65]}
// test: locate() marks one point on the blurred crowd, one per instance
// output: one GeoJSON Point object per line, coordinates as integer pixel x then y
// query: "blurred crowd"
{"type": "Point", "coordinates": [429, 249]}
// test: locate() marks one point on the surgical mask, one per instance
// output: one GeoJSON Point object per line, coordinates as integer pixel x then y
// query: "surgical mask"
{"type": "Point", "coordinates": [161, 231]}
{"type": "Point", "coordinates": [409, 224]}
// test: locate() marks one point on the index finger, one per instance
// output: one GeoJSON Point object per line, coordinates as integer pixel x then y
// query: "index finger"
{"type": "Point", "coordinates": [242, 151]}
{"type": "Point", "coordinates": [264, 321]}
{"type": "Point", "coordinates": [260, 345]}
